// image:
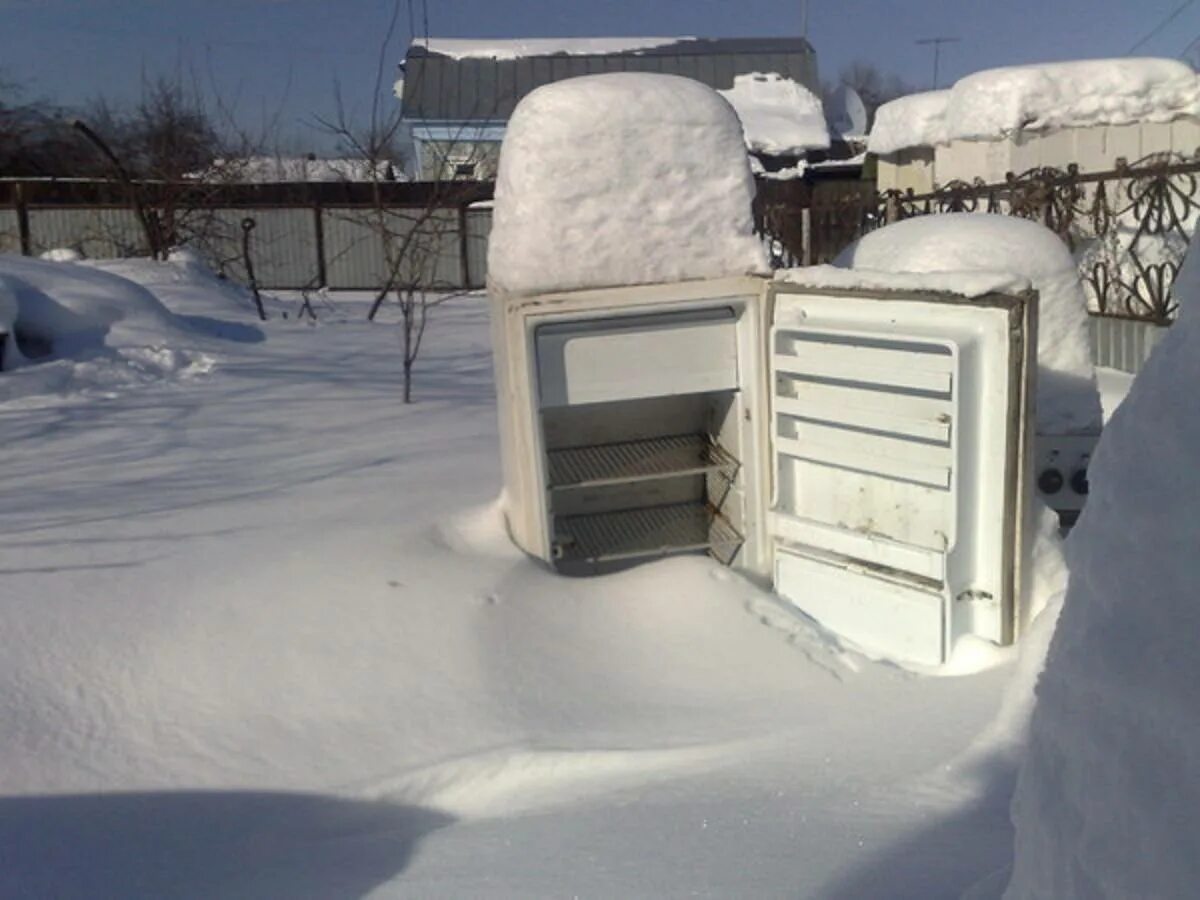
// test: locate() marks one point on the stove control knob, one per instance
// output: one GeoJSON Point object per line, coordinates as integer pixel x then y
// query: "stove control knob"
{"type": "Point", "coordinates": [1050, 481]}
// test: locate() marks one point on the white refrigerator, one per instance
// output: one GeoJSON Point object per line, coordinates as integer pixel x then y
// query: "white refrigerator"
{"type": "Point", "coordinates": [865, 450]}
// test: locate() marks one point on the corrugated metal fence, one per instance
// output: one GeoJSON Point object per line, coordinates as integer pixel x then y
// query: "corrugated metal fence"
{"type": "Point", "coordinates": [1123, 344]}
{"type": "Point", "coordinates": [301, 236]}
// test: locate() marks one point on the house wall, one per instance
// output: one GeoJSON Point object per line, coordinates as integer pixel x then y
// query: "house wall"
{"type": "Point", "coordinates": [1094, 149]}
{"type": "Point", "coordinates": [910, 169]}
{"type": "Point", "coordinates": [446, 160]}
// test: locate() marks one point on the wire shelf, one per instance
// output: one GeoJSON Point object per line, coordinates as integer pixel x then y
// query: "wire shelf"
{"type": "Point", "coordinates": [653, 531]}
{"type": "Point", "coordinates": [630, 461]}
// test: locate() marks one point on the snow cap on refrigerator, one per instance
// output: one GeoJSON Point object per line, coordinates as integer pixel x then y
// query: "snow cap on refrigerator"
{"type": "Point", "coordinates": [619, 179]}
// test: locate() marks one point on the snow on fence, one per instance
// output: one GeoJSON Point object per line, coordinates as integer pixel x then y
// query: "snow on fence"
{"type": "Point", "coordinates": [301, 235]}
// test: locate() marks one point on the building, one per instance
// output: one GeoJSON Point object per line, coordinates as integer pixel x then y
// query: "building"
{"type": "Point", "coordinates": [1087, 112]}
{"type": "Point", "coordinates": [457, 95]}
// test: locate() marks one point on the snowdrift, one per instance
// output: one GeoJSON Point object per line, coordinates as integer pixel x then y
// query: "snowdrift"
{"type": "Point", "coordinates": [78, 328]}
{"type": "Point", "coordinates": [1107, 797]}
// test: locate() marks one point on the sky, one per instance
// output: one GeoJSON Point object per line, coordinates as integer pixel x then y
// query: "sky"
{"type": "Point", "coordinates": [275, 63]}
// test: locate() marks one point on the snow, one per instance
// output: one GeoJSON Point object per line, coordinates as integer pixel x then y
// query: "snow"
{"type": "Point", "coordinates": [78, 328]}
{"type": "Point", "coordinates": [270, 169]}
{"type": "Point", "coordinates": [997, 103]}
{"type": "Point", "coordinates": [1067, 398]}
{"type": "Point", "coordinates": [489, 48]}
{"type": "Point", "coordinates": [617, 179]}
{"type": "Point", "coordinates": [779, 116]}
{"type": "Point", "coordinates": [1108, 792]}
{"type": "Point", "coordinates": [264, 635]}
{"type": "Point", "coordinates": [916, 120]}
{"type": "Point", "coordinates": [963, 284]}
{"type": "Point", "coordinates": [62, 254]}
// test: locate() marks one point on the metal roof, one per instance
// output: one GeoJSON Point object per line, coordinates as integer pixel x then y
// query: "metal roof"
{"type": "Point", "coordinates": [446, 88]}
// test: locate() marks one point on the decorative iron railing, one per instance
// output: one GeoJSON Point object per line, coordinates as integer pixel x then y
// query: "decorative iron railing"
{"type": "Point", "coordinates": [1128, 227]}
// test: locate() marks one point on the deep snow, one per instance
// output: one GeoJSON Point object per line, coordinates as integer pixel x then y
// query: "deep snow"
{"type": "Point", "coordinates": [997, 103]}
{"type": "Point", "coordinates": [914, 120]}
{"type": "Point", "coordinates": [778, 115]}
{"type": "Point", "coordinates": [1107, 798]}
{"type": "Point", "coordinates": [617, 179]}
{"type": "Point", "coordinates": [262, 635]}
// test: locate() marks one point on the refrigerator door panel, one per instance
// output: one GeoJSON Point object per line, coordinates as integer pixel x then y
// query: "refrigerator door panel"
{"type": "Point", "coordinates": [897, 619]}
{"type": "Point", "coordinates": [898, 433]}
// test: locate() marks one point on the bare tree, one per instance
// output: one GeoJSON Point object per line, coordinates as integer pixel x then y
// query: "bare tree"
{"type": "Point", "coordinates": [170, 151]}
{"type": "Point", "coordinates": [412, 237]}
{"type": "Point", "coordinates": [35, 138]}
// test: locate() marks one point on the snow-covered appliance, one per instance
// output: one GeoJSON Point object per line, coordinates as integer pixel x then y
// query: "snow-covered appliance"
{"type": "Point", "coordinates": [1060, 472]}
{"type": "Point", "coordinates": [863, 449]}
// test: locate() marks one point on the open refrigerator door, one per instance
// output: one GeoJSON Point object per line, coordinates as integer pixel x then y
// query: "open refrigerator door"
{"type": "Point", "coordinates": [900, 432]}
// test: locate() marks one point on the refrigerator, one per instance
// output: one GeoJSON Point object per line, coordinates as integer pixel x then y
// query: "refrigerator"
{"type": "Point", "coordinates": [865, 451]}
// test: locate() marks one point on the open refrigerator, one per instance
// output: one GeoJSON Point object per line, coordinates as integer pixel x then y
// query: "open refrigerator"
{"type": "Point", "coordinates": [865, 451]}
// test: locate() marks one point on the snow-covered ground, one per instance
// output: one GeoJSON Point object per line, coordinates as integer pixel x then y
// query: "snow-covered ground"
{"type": "Point", "coordinates": [264, 636]}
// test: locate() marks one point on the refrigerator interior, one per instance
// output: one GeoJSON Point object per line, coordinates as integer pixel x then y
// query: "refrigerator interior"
{"type": "Point", "coordinates": [648, 468]}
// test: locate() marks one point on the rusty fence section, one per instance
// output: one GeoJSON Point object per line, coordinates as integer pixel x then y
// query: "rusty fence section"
{"type": "Point", "coordinates": [1128, 228]}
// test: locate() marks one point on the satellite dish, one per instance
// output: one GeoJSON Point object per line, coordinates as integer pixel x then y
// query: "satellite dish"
{"type": "Point", "coordinates": [848, 114]}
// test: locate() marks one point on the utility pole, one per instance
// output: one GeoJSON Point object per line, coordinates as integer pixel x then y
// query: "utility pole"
{"type": "Point", "coordinates": [937, 52]}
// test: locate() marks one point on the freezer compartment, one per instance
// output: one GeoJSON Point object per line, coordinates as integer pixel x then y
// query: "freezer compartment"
{"type": "Point", "coordinates": [626, 357]}
{"type": "Point", "coordinates": [644, 477]}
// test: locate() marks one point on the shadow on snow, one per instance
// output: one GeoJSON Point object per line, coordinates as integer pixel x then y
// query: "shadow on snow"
{"type": "Point", "coordinates": [203, 844]}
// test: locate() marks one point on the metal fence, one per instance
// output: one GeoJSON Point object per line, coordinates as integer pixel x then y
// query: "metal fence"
{"type": "Point", "coordinates": [1128, 227]}
{"type": "Point", "coordinates": [300, 235]}
{"type": "Point", "coordinates": [1124, 344]}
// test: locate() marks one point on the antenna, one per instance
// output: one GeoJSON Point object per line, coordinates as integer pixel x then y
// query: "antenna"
{"type": "Point", "coordinates": [937, 52]}
{"type": "Point", "coordinates": [804, 19]}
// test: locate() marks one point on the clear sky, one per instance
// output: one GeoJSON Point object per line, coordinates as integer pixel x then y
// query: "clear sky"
{"type": "Point", "coordinates": [283, 56]}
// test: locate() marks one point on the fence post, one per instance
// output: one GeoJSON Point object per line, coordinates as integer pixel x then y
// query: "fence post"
{"type": "Point", "coordinates": [806, 236]}
{"type": "Point", "coordinates": [23, 221]}
{"type": "Point", "coordinates": [464, 255]}
{"type": "Point", "coordinates": [319, 236]}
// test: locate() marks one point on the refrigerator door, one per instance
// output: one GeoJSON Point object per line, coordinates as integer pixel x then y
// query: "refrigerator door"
{"type": "Point", "coordinates": [898, 436]}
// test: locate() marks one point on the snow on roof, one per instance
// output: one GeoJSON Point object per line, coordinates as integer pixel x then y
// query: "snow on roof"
{"type": "Point", "coordinates": [996, 103]}
{"type": "Point", "coordinates": [618, 179]}
{"type": "Point", "coordinates": [485, 48]}
{"type": "Point", "coordinates": [268, 169]}
{"type": "Point", "coordinates": [912, 121]}
{"type": "Point", "coordinates": [1106, 801]}
{"type": "Point", "coordinates": [1067, 400]}
{"type": "Point", "coordinates": [779, 116]}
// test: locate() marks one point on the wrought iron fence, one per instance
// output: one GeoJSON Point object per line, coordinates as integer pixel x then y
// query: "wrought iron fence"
{"type": "Point", "coordinates": [1127, 227]}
